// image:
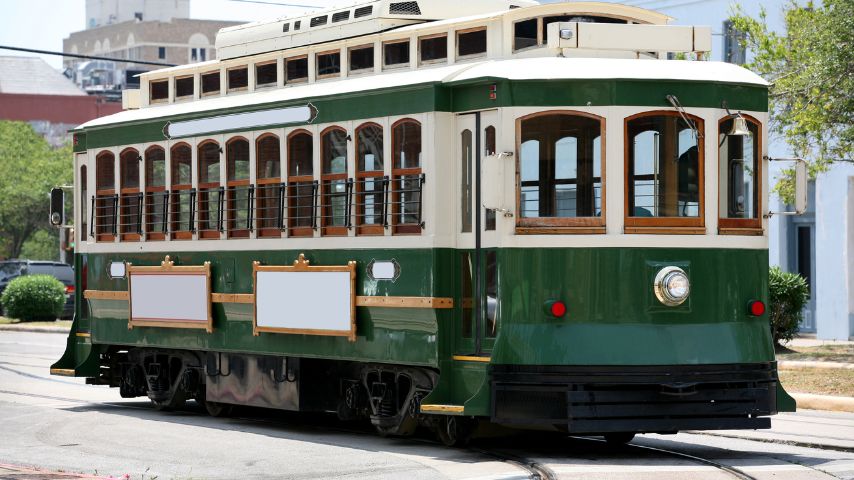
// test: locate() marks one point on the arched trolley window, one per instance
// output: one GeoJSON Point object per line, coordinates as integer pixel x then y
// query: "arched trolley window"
{"type": "Point", "coordinates": [740, 178]}
{"type": "Point", "coordinates": [182, 204]}
{"type": "Point", "coordinates": [210, 194]}
{"type": "Point", "coordinates": [407, 179]}
{"type": "Point", "coordinates": [130, 201]}
{"type": "Point", "coordinates": [560, 183]}
{"type": "Point", "coordinates": [371, 184]}
{"type": "Point", "coordinates": [155, 193]}
{"type": "Point", "coordinates": [270, 189]}
{"type": "Point", "coordinates": [334, 185]}
{"type": "Point", "coordinates": [664, 174]}
{"type": "Point", "coordinates": [106, 201]}
{"type": "Point", "coordinates": [239, 193]}
{"type": "Point", "coordinates": [301, 198]}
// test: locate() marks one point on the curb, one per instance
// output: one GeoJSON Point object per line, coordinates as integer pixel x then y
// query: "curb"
{"type": "Point", "coordinates": [824, 402]}
{"type": "Point", "coordinates": [15, 328]}
{"type": "Point", "coordinates": [795, 364]}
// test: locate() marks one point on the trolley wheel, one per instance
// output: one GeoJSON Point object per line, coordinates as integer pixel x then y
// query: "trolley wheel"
{"type": "Point", "coordinates": [175, 402]}
{"type": "Point", "coordinates": [216, 409]}
{"type": "Point", "coordinates": [454, 431]}
{"type": "Point", "coordinates": [619, 438]}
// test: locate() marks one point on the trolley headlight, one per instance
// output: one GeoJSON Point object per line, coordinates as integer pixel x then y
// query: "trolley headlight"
{"type": "Point", "coordinates": [672, 286]}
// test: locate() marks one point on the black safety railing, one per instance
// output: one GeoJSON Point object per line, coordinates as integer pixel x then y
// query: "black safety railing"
{"type": "Point", "coordinates": [104, 215]}
{"type": "Point", "coordinates": [371, 201]}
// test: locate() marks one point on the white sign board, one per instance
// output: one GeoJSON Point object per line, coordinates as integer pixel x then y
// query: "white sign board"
{"type": "Point", "coordinates": [170, 296]}
{"type": "Point", "coordinates": [305, 300]}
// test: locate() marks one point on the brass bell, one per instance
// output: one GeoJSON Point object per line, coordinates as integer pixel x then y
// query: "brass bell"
{"type": "Point", "coordinates": [739, 127]}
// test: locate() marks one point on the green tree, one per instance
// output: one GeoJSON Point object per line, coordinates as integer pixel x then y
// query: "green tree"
{"type": "Point", "coordinates": [29, 168]}
{"type": "Point", "coordinates": [811, 70]}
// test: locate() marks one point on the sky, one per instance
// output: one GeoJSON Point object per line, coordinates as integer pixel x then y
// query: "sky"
{"type": "Point", "coordinates": [42, 24]}
{"type": "Point", "coordinates": [26, 24]}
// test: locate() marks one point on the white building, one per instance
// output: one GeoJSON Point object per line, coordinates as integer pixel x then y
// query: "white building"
{"type": "Point", "coordinates": [108, 12]}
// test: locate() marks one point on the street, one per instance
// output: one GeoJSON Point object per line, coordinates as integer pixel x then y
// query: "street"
{"type": "Point", "coordinates": [61, 424]}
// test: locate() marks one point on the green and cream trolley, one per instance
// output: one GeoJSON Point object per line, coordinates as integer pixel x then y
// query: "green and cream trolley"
{"type": "Point", "coordinates": [436, 213]}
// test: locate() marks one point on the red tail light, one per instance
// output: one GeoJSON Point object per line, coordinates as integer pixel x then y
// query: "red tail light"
{"type": "Point", "coordinates": [558, 309]}
{"type": "Point", "coordinates": [69, 289]}
{"type": "Point", "coordinates": [756, 308]}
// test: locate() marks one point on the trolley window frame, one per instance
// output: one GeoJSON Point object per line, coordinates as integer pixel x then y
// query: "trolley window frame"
{"type": "Point", "coordinates": [743, 226]}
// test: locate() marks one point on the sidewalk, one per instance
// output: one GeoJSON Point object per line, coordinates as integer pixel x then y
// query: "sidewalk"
{"type": "Point", "coordinates": [41, 327]}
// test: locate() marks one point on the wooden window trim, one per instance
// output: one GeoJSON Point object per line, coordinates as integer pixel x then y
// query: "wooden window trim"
{"type": "Point", "coordinates": [205, 234]}
{"type": "Point", "coordinates": [289, 80]}
{"type": "Point", "coordinates": [150, 191]}
{"type": "Point", "coordinates": [396, 174]}
{"type": "Point", "coordinates": [202, 93]}
{"type": "Point", "coordinates": [177, 187]}
{"type": "Point", "coordinates": [744, 226]}
{"type": "Point", "coordinates": [230, 199]}
{"type": "Point", "coordinates": [124, 193]}
{"type": "Point", "coordinates": [539, 34]}
{"type": "Point", "coordinates": [361, 228]}
{"type": "Point", "coordinates": [473, 55]}
{"type": "Point", "coordinates": [292, 184]}
{"type": "Point", "coordinates": [325, 208]}
{"type": "Point", "coordinates": [175, 86]}
{"type": "Point", "coordinates": [395, 66]}
{"type": "Point", "coordinates": [665, 225]}
{"type": "Point", "coordinates": [262, 182]}
{"type": "Point", "coordinates": [103, 192]}
{"type": "Point", "coordinates": [228, 87]}
{"type": "Point", "coordinates": [264, 86]}
{"type": "Point", "coordinates": [151, 99]}
{"type": "Point", "coordinates": [567, 225]}
{"type": "Point", "coordinates": [317, 56]}
{"type": "Point", "coordinates": [359, 71]}
{"type": "Point", "coordinates": [437, 61]}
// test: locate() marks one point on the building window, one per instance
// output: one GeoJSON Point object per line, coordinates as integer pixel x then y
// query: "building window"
{"type": "Point", "coordinates": [362, 59]}
{"type": "Point", "coordinates": [182, 195]}
{"type": "Point", "coordinates": [334, 187]}
{"type": "Point", "coordinates": [328, 64]}
{"type": "Point", "coordinates": [296, 69]}
{"type": "Point", "coordinates": [560, 171]}
{"type": "Point", "coordinates": [238, 79]}
{"type": "Point", "coordinates": [665, 173]}
{"type": "Point", "coordinates": [396, 54]}
{"type": "Point", "coordinates": [433, 49]}
{"type": "Point", "coordinates": [269, 190]}
{"type": "Point", "coordinates": [266, 74]}
{"type": "Point", "coordinates": [740, 174]}
{"type": "Point", "coordinates": [525, 34]}
{"type": "Point", "coordinates": [407, 179]}
{"type": "Point", "coordinates": [209, 194]}
{"type": "Point", "coordinates": [238, 191]}
{"type": "Point", "coordinates": [161, 53]}
{"type": "Point", "coordinates": [210, 83]}
{"type": "Point", "coordinates": [155, 193]}
{"type": "Point", "coordinates": [734, 51]}
{"type": "Point", "coordinates": [106, 201]}
{"type": "Point", "coordinates": [184, 87]}
{"type": "Point", "coordinates": [471, 43]}
{"type": "Point", "coordinates": [301, 195]}
{"type": "Point", "coordinates": [370, 182]}
{"type": "Point", "coordinates": [158, 91]}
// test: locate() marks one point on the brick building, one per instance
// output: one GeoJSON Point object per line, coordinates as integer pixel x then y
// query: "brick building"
{"type": "Point", "coordinates": [136, 30]}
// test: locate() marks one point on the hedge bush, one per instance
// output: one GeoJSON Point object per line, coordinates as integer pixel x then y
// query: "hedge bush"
{"type": "Point", "coordinates": [789, 293]}
{"type": "Point", "coordinates": [33, 298]}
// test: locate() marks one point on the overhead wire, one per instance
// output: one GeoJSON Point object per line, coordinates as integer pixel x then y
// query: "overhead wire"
{"type": "Point", "coordinates": [85, 57]}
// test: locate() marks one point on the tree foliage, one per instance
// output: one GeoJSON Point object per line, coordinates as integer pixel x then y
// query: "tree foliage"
{"type": "Point", "coordinates": [789, 293]}
{"type": "Point", "coordinates": [29, 168]}
{"type": "Point", "coordinates": [811, 70]}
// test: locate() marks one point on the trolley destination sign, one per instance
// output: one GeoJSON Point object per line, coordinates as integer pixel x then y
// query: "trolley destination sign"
{"type": "Point", "coordinates": [241, 121]}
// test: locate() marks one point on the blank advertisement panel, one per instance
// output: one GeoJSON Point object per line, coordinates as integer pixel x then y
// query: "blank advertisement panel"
{"type": "Point", "coordinates": [304, 299]}
{"type": "Point", "coordinates": [169, 296]}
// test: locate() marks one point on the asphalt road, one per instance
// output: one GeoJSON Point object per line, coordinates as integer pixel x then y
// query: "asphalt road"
{"type": "Point", "coordinates": [61, 424]}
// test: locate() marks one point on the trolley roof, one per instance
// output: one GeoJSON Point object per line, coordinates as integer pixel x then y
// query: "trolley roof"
{"type": "Point", "coordinates": [541, 68]}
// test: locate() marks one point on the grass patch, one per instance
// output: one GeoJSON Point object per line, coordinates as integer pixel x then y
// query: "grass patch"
{"type": "Point", "coordinates": [824, 353]}
{"type": "Point", "coordinates": [819, 381]}
{"type": "Point", "coordinates": [7, 321]}
{"type": "Point", "coordinates": [57, 323]}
